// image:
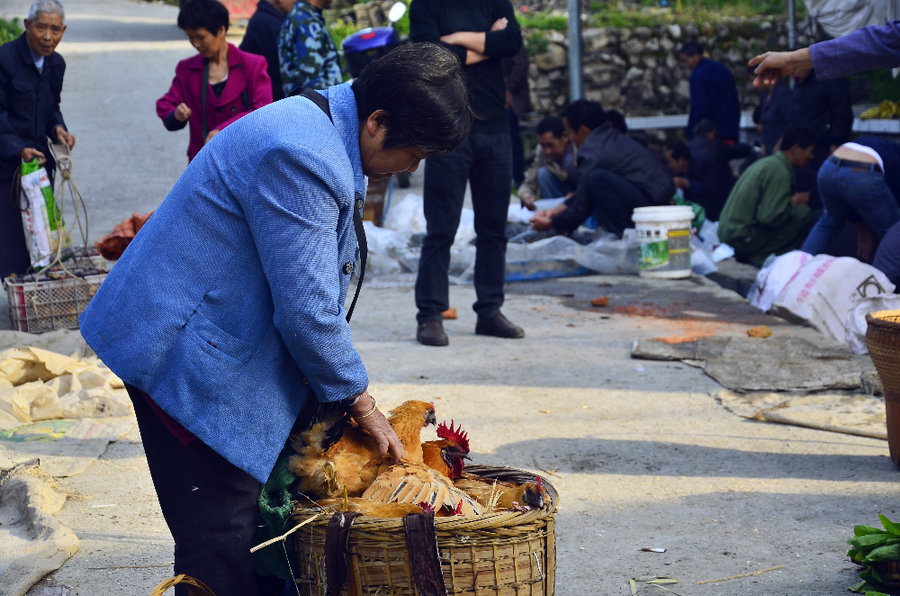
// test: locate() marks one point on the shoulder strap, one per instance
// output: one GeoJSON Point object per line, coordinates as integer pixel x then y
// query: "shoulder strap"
{"type": "Point", "coordinates": [322, 103]}
{"type": "Point", "coordinates": [203, 96]}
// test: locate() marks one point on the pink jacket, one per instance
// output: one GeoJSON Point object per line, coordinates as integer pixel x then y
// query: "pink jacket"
{"type": "Point", "coordinates": [245, 71]}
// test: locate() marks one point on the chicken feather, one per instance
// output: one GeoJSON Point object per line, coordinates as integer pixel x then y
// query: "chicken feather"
{"type": "Point", "coordinates": [409, 482]}
{"type": "Point", "coordinates": [325, 465]}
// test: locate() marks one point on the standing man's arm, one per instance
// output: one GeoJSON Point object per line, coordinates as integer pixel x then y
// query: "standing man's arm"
{"type": "Point", "coordinates": [504, 38]}
{"type": "Point", "coordinates": [699, 101]}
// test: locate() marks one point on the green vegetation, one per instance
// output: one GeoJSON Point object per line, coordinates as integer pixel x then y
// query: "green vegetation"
{"type": "Point", "coordinates": [881, 85]}
{"type": "Point", "coordinates": [542, 21]}
{"type": "Point", "coordinates": [871, 546]}
{"type": "Point", "coordinates": [650, 13]}
{"type": "Point", "coordinates": [340, 29]}
{"type": "Point", "coordinates": [9, 30]}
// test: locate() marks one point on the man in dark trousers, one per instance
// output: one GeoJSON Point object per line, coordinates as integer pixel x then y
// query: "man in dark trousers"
{"type": "Point", "coordinates": [480, 33]}
{"type": "Point", "coordinates": [31, 79]}
{"type": "Point", "coordinates": [713, 93]}
{"type": "Point", "coordinates": [616, 174]}
{"type": "Point", "coordinates": [823, 107]}
{"type": "Point", "coordinates": [261, 37]}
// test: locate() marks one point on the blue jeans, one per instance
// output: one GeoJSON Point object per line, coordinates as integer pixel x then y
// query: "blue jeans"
{"type": "Point", "coordinates": [843, 189]}
{"type": "Point", "coordinates": [485, 161]}
{"type": "Point", "coordinates": [552, 187]}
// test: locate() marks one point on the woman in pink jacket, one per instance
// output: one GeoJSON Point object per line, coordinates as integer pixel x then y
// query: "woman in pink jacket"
{"type": "Point", "coordinates": [218, 85]}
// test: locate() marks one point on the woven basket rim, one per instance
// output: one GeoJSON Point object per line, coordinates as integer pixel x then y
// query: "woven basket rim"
{"type": "Point", "coordinates": [889, 319]}
{"type": "Point", "coordinates": [453, 523]}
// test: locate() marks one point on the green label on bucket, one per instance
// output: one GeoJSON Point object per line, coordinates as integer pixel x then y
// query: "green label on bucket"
{"type": "Point", "coordinates": [654, 254]}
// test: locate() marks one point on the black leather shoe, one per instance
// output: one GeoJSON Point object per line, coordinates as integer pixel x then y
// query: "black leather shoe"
{"type": "Point", "coordinates": [499, 326]}
{"type": "Point", "coordinates": [431, 333]}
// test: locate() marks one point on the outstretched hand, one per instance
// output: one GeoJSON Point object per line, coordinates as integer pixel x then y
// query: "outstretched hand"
{"type": "Point", "coordinates": [373, 422]}
{"type": "Point", "coordinates": [771, 66]}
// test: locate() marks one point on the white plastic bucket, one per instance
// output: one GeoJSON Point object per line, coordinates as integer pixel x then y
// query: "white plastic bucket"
{"type": "Point", "coordinates": [664, 234]}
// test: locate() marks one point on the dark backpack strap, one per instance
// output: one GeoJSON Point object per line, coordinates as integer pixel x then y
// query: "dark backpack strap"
{"type": "Point", "coordinates": [337, 537]}
{"type": "Point", "coordinates": [316, 98]}
{"type": "Point", "coordinates": [422, 547]}
{"type": "Point", "coordinates": [322, 102]}
{"type": "Point", "coordinates": [363, 251]}
{"type": "Point", "coordinates": [203, 96]}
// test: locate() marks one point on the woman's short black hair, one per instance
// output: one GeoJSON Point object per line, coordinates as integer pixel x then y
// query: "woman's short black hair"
{"type": "Point", "coordinates": [203, 14]}
{"type": "Point", "coordinates": [421, 88]}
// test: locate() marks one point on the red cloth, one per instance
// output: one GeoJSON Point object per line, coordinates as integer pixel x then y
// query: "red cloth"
{"type": "Point", "coordinates": [184, 436]}
{"type": "Point", "coordinates": [114, 244]}
{"type": "Point", "coordinates": [245, 71]}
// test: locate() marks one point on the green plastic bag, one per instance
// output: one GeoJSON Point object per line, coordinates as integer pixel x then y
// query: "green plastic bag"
{"type": "Point", "coordinates": [699, 211]}
{"type": "Point", "coordinates": [45, 230]}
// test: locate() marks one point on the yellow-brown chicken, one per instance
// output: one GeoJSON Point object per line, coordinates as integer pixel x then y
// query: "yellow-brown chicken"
{"type": "Point", "coordinates": [334, 453]}
{"type": "Point", "coordinates": [370, 508]}
{"type": "Point", "coordinates": [499, 495]}
{"type": "Point", "coordinates": [415, 483]}
{"type": "Point", "coordinates": [447, 454]}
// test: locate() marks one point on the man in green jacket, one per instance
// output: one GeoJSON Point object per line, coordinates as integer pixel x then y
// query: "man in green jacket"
{"type": "Point", "coordinates": [763, 215]}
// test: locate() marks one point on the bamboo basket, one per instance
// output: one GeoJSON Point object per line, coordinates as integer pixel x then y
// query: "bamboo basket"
{"type": "Point", "coordinates": [501, 554]}
{"type": "Point", "coordinates": [883, 341]}
{"type": "Point", "coordinates": [890, 571]}
{"type": "Point", "coordinates": [195, 587]}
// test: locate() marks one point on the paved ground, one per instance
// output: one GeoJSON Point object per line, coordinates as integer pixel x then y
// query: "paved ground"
{"type": "Point", "coordinates": [640, 451]}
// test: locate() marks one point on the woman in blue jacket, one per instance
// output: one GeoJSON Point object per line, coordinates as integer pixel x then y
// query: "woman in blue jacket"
{"type": "Point", "coordinates": [226, 312]}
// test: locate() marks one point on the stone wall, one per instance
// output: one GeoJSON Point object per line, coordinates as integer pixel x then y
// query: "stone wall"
{"type": "Point", "coordinates": [636, 71]}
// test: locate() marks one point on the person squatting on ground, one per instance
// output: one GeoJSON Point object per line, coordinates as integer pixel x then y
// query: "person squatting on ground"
{"type": "Point", "coordinates": [479, 33]}
{"type": "Point", "coordinates": [701, 169]}
{"type": "Point", "coordinates": [616, 174]}
{"type": "Point", "coordinates": [306, 53]}
{"type": "Point", "coordinates": [226, 313]}
{"type": "Point", "coordinates": [858, 183]}
{"type": "Point", "coordinates": [763, 215]}
{"type": "Point", "coordinates": [218, 85]}
{"type": "Point", "coordinates": [31, 80]}
{"type": "Point", "coordinates": [552, 174]}
{"type": "Point", "coordinates": [864, 49]}
{"type": "Point", "coordinates": [261, 38]}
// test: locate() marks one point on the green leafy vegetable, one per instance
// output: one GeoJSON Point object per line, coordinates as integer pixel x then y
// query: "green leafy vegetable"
{"type": "Point", "coordinates": [869, 547]}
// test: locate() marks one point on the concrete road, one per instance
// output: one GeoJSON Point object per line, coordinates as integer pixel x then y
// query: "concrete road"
{"type": "Point", "coordinates": [640, 451]}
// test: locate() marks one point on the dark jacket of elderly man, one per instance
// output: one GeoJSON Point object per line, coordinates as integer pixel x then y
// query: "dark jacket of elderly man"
{"type": "Point", "coordinates": [29, 113]}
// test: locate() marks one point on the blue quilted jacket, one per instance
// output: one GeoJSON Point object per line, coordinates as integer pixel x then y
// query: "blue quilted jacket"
{"type": "Point", "coordinates": [228, 306]}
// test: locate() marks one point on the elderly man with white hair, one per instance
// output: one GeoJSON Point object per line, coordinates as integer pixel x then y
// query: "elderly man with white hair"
{"type": "Point", "coordinates": [31, 78]}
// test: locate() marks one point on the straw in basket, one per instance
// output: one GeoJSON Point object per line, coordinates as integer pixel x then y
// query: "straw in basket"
{"type": "Point", "coordinates": [504, 553]}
